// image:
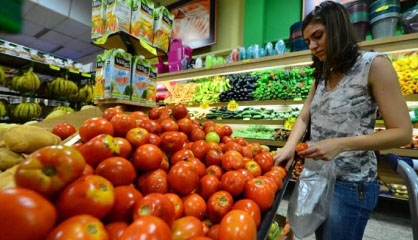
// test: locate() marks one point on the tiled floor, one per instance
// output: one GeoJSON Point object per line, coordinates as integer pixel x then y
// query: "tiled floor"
{"type": "Point", "coordinates": [390, 220]}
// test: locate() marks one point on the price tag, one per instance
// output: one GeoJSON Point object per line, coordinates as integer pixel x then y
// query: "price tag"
{"type": "Point", "coordinates": [232, 106]}
{"type": "Point", "coordinates": [86, 75]}
{"type": "Point", "coordinates": [74, 71]}
{"type": "Point", "coordinates": [246, 119]}
{"type": "Point", "coordinates": [297, 99]}
{"type": "Point", "coordinates": [380, 122]}
{"type": "Point", "coordinates": [246, 61]}
{"type": "Point", "coordinates": [101, 40]}
{"type": "Point", "coordinates": [288, 124]}
{"type": "Point", "coordinates": [54, 67]}
{"type": "Point", "coordinates": [204, 105]}
{"type": "Point", "coordinates": [218, 118]}
{"type": "Point", "coordinates": [148, 47]}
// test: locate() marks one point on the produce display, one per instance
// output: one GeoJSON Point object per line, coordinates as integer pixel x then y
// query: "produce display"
{"type": "Point", "coordinates": [407, 71]}
{"type": "Point", "coordinates": [28, 82]}
{"type": "Point", "coordinates": [252, 113]}
{"type": "Point", "coordinates": [281, 134]}
{"type": "Point", "coordinates": [181, 93]}
{"type": "Point", "coordinates": [255, 132]}
{"type": "Point", "coordinates": [242, 87]}
{"type": "Point", "coordinates": [25, 112]}
{"type": "Point", "coordinates": [207, 90]}
{"type": "Point", "coordinates": [283, 84]}
{"type": "Point", "coordinates": [159, 176]}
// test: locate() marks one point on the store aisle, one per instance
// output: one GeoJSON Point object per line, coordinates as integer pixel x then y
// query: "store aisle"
{"type": "Point", "coordinates": [390, 220]}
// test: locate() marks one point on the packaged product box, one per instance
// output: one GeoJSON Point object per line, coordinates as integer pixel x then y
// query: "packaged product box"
{"type": "Point", "coordinates": [163, 24]}
{"type": "Point", "coordinates": [118, 74]}
{"type": "Point", "coordinates": [118, 16]}
{"type": "Point", "coordinates": [99, 86]}
{"type": "Point", "coordinates": [152, 85]}
{"type": "Point", "coordinates": [140, 78]}
{"type": "Point", "coordinates": [143, 20]}
{"type": "Point", "coordinates": [98, 18]}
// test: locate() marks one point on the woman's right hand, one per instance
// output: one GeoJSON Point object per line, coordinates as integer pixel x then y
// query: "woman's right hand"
{"type": "Point", "coordinates": [284, 154]}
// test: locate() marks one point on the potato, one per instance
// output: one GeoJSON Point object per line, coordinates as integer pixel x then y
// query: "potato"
{"type": "Point", "coordinates": [7, 178]}
{"type": "Point", "coordinates": [9, 158]}
{"type": "Point", "coordinates": [28, 138]}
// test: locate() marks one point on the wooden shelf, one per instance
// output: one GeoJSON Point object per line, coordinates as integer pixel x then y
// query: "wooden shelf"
{"type": "Point", "coordinates": [129, 43]}
{"type": "Point", "coordinates": [254, 103]}
{"type": "Point", "coordinates": [241, 121]}
{"type": "Point", "coordinates": [390, 44]}
{"type": "Point", "coordinates": [266, 142]}
{"type": "Point", "coordinates": [411, 98]}
{"type": "Point", "coordinates": [113, 101]}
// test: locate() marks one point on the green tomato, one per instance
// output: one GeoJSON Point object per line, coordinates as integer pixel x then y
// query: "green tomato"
{"type": "Point", "coordinates": [270, 236]}
{"type": "Point", "coordinates": [273, 227]}
{"type": "Point", "coordinates": [212, 137]}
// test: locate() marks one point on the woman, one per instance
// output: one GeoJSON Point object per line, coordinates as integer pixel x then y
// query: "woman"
{"type": "Point", "coordinates": [341, 108]}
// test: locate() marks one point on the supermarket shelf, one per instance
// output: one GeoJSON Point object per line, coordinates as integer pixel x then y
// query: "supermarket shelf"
{"type": "Point", "coordinates": [266, 142]}
{"type": "Point", "coordinates": [402, 152]}
{"type": "Point", "coordinates": [411, 98]}
{"type": "Point", "coordinates": [389, 196]}
{"type": "Point", "coordinates": [390, 44]}
{"type": "Point", "coordinates": [252, 121]}
{"type": "Point", "coordinates": [129, 43]}
{"type": "Point", "coordinates": [38, 67]}
{"type": "Point", "coordinates": [113, 101]}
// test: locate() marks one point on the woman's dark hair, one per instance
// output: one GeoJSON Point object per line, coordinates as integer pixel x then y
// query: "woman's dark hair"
{"type": "Point", "coordinates": [342, 48]}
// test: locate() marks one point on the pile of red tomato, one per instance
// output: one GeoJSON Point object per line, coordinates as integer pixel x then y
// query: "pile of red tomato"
{"type": "Point", "coordinates": [138, 176]}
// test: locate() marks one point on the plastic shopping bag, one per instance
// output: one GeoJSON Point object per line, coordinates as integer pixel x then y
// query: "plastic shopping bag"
{"type": "Point", "coordinates": [311, 199]}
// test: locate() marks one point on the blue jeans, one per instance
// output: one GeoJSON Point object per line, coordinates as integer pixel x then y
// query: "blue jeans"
{"type": "Point", "coordinates": [350, 210]}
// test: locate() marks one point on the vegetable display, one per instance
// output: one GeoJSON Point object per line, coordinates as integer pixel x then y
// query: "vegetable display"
{"type": "Point", "coordinates": [252, 113]}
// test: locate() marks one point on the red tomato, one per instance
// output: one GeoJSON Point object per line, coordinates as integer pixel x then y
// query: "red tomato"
{"type": "Point", "coordinates": [77, 145]}
{"type": "Point", "coordinates": [215, 171]}
{"type": "Point", "coordinates": [172, 141]}
{"type": "Point", "coordinates": [197, 134]}
{"type": "Point", "coordinates": [138, 115]}
{"type": "Point", "coordinates": [208, 185]}
{"type": "Point", "coordinates": [301, 147]}
{"type": "Point", "coordinates": [246, 160]}
{"type": "Point", "coordinates": [194, 205]}
{"type": "Point", "coordinates": [109, 113]}
{"type": "Point", "coordinates": [151, 126]}
{"type": "Point", "coordinates": [147, 227]}
{"type": "Point", "coordinates": [156, 182]}
{"type": "Point", "coordinates": [246, 152]}
{"type": "Point", "coordinates": [125, 199]}
{"type": "Point", "coordinates": [213, 232]}
{"type": "Point", "coordinates": [183, 177]}
{"type": "Point", "coordinates": [276, 177]}
{"type": "Point", "coordinates": [213, 145]}
{"type": "Point", "coordinates": [115, 230]}
{"type": "Point", "coordinates": [218, 205]}
{"type": "Point", "coordinates": [181, 155]}
{"type": "Point", "coordinates": [200, 148]}
{"type": "Point", "coordinates": [90, 194]}
{"type": "Point", "coordinates": [179, 111]}
{"type": "Point", "coordinates": [214, 157]}
{"type": "Point", "coordinates": [50, 169]}
{"type": "Point", "coordinates": [209, 129]}
{"type": "Point", "coordinates": [99, 148]}
{"type": "Point", "coordinates": [247, 175]}
{"type": "Point", "coordinates": [155, 204]}
{"type": "Point", "coordinates": [239, 225]}
{"type": "Point", "coordinates": [88, 170]}
{"type": "Point", "coordinates": [254, 168]}
{"type": "Point", "coordinates": [94, 127]}
{"type": "Point", "coordinates": [250, 207]}
{"type": "Point", "coordinates": [206, 225]}
{"type": "Point", "coordinates": [64, 130]}
{"type": "Point", "coordinates": [177, 203]}
{"type": "Point", "coordinates": [200, 167]}
{"type": "Point", "coordinates": [260, 192]}
{"type": "Point", "coordinates": [232, 160]}
{"type": "Point", "coordinates": [233, 182]}
{"type": "Point", "coordinates": [201, 238]}
{"type": "Point", "coordinates": [281, 170]}
{"type": "Point", "coordinates": [164, 116]}
{"type": "Point", "coordinates": [125, 147]}
{"type": "Point", "coordinates": [241, 141]}
{"type": "Point", "coordinates": [220, 131]}
{"type": "Point", "coordinates": [24, 214]}
{"type": "Point", "coordinates": [79, 228]}
{"type": "Point", "coordinates": [169, 125]}
{"type": "Point", "coordinates": [147, 157]}
{"type": "Point", "coordinates": [255, 148]}
{"type": "Point", "coordinates": [227, 130]}
{"type": "Point", "coordinates": [184, 136]}
{"type": "Point", "coordinates": [271, 183]}
{"type": "Point", "coordinates": [186, 228]}
{"type": "Point", "coordinates": [137, 136]}
{"type": "Point", "coordinates": [185, 125]}
{"type": "Point", "coordinates": [265, 160]}
{"type": "Point", "coordinates": [208, 123]}
{"type": "Point", "coordinates": [231, 145]}
{"type": "Point", "coordinates": [117, 170]}
{"type": "Point", "coordinates": [227, 139]}
{"type": "Point", "coordinates": [122, 123]}
{"type": "Point", "coordinates": [154, 139]}
{"type": "Point", "coordinates": [165, 164]}
{"type": "Point", "coordinates": [154, 114]}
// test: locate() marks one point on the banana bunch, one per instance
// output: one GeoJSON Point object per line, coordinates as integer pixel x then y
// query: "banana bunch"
{"type": "Point", "coordinates": [85, 94]}
{"type": "Point", "coordinates": [27, 111]}
{"type": "Point", "coordinates": [63, 108]}
{"type": "Point", "coordinates": [28, 82]}
{"type": "Point", "coordinates": [62, 87]}
{"type": "Point", "coordinates": [3, 111]}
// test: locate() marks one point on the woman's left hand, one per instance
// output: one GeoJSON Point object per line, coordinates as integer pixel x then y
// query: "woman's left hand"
{"type": "Point", "coordinates": [325, 150]}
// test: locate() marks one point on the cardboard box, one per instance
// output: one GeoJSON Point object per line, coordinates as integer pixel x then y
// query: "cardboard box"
{"type": "Point", "coordinates": [98, 18]}
{"type": "Point", "coordinates": [163, 24]}
{"type": "Point", "coordinates": [152, 85]}
{"type": "Point", "coordinates": [118, 16]}
{"type": "Point", "coordinates": [140, 78]}
{"type": "Point", "coordinates": [143, 20]}
{"type": "Point", "coordinates": [118, 74]}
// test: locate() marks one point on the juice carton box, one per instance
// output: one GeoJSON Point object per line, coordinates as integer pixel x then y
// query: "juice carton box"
{"type": "Point", "coordinates": [98, 18]}
{"type": "Point", "coordinates": [99, 86]}
{"type": "Point", "coordinates": [152, 85]}
{"type": "Point", "coordinates": [118, 16]}
{"type": "Point", "coordinates": [163, 23]}
{"type": "Point", "coordinates": [143, 20]}
{"type": "Point", "coordinates": [118, 75]}
{"type": "Point", "coordinates": [140, 78]}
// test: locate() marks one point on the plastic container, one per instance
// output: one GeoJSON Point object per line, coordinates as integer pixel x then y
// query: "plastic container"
{"type": "Point", "coordinates": [295, 31]}
{"type": "Point", "coordinates": [298, 45]}
{"type": "Point", "coordinates": [359, 17]}
{"type": "Point", "coordinates": [175, 55]}
{"type": "Point", "coordinates": [385, 27]}
{"type": "Point", "coordinates": [384, 16]}
{"type": "Point", "coordinates": [410, 20]}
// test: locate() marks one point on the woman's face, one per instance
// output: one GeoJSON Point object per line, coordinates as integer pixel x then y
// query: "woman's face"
{"type": "Point", "coordinates": [316, 37]}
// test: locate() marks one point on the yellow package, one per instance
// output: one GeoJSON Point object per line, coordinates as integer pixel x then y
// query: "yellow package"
{"type": "Point", "coordinates": [143, 20]}
{"type": "Point", "coordinates": [118, 16]}
{"type": "Point", "coordinates": [99, 86]}
{"type": "Point", "coordinates": [151, 95]}
{"type": "Point", "coordinates": [163, 23]}
{"type": "Point", "coordinates": [97, 18]}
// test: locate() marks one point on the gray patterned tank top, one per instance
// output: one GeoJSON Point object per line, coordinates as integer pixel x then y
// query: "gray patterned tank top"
{"type": "Point", "coordinates": [346, 111]}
